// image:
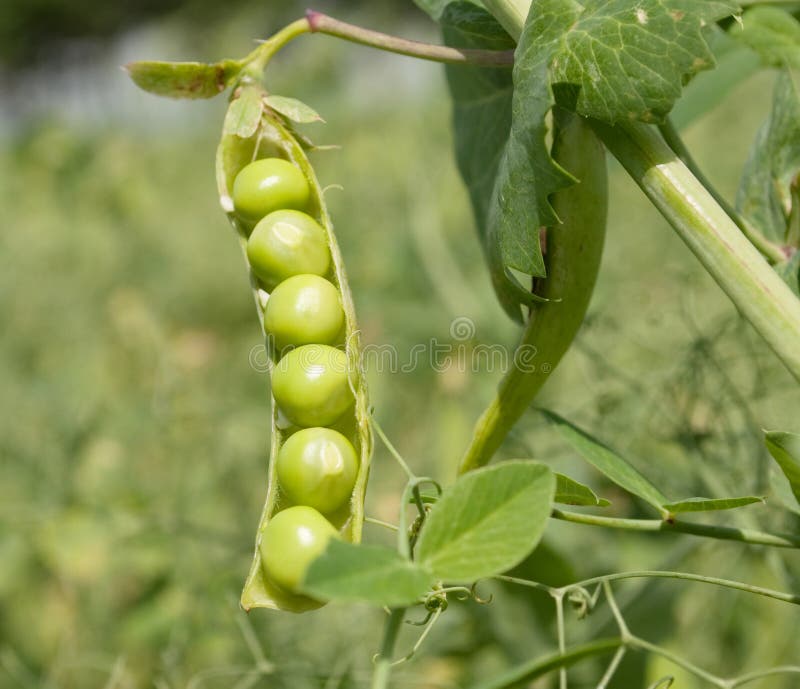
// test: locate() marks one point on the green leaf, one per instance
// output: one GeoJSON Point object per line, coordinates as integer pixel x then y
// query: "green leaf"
{"type": "Point", "coordinates": [570, 492]}
{"type": "Point", "coordinates": [605, 460]}
{"type": "Point", "coordinates": [435, 8]}
{"type": "Point", "coordinates": [765, 194]}
{"type": "Point", "coordinates": [710, 504]}
{"type": "Point", "coordinates": [244, 114]}
{"type": "Point", "coordinates": [184, 79]}
{"type": "Point", "coordinates": [627, 61]}
{"type": "Point", "coordinates": [488, 521]}
{"type": "Point", "coordinates": [481, 125]}
{"type": "Point", "coordinates": [527, 174]}
{"type": "Point", "coordinates": [293, 109]}
{"type": "Point", "coordinates": [785, 450]}
{"type": "Point", "coordinates": [772, 33]}
{"type": "Point", "coordinates": [366, 573]}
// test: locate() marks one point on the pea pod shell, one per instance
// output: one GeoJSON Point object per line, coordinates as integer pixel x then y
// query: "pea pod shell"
{"type": "Point", "coordinates": [272, 138]}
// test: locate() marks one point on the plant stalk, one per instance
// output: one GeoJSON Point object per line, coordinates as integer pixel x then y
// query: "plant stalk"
{"type": "Point", "coordinates": [686, 576]}
{"type": "Point", "coordinates": [725, 533]}
{"type": "Point", "coordinates": [771, 251]}
{"type": "Point", "coordinates": [754, 287]}
{"type": "Point", "coordinates": [383, 663]}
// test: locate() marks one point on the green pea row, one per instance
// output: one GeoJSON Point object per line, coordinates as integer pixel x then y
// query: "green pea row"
{"type": "Point", "coordinates": [320, 433]}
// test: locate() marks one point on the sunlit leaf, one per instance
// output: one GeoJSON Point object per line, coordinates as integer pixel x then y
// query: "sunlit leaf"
{"type": "Point", "coordinates": [244, 114]}
{"type": "Point", "coordinates": [366, 573]}
{"type": "Point", "coordinates": [293, 109]}
{"type": "Point", "coordinates": [488, 521]}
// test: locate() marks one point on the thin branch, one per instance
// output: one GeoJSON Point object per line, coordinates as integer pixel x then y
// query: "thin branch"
{"type": "Point", "coordinates": [686, 576]}
{"type": "Point", "coordinates": [725, 533]}
{"type": "Point", "coordinates": [383, 662]}
{"type": "Point", "coordinates": [612, 668]}
{"type": "Point", "coordinates": [644, 645]}
{"type": "Point", "coordinates": [753, 676]}
{"type": "Point", "coordinates": [392, 449]}
{"type": "Point", "coordinates": [562, 641]}
{"type": "Point", "coordinates": [322, 23]}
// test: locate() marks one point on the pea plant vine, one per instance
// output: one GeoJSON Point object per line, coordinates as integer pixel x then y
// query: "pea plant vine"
{"type": "Point", "coordinates": [541, 92]}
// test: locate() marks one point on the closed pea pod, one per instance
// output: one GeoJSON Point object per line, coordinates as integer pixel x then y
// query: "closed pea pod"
{"type": "Point", "coordinates": [296, 239]}
{"type": "Point", "coordinates": [572, 255]}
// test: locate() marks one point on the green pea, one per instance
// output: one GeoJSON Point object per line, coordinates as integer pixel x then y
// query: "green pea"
{"type": "Point", "coordinates": [304, 309]}
{"type": "Point", "coordinates": [311, 386]}
{"type": "Point", "coordinates": [290, 542]}
{"type": "Point", "coordinates": [317, 467]}
{"type": "Point", "coordinates": [268, 185]}
{"type": "Point", "coordinates": [287, 243]}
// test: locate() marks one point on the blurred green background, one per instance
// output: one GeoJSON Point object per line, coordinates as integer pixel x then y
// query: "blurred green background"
{"type": "Point", "coordinates": [133, 441]}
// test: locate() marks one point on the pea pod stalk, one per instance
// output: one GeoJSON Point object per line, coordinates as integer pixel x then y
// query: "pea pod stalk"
{"type": "Point", "coordinates": [270, 136]}
{"type": "Point", "coordinates": [573, 251]}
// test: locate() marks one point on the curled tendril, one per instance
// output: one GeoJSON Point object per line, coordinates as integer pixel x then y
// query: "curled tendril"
{"type": "Point", "coordinates": [474, 595]}
{"type": "Point", "coordinates": [582, 601]}
{"type": "Point", "coordinates": [663, 683]}
{"type": "Point", "coordinates": [424, 620]}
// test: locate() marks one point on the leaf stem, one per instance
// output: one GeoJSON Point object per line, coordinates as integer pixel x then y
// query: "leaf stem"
{"type": "Point", "coordinates": [644, 645]}
{"type": "Point", "coordinates": [322, 23]}
{"type": "Point", "coordinates": [392, 449]}
{"type": "Point", "coordinates": [612, 668]}
{"type": "Point", "coordinates": [771, 251]}
{"type": "Point", "coordinates": [527, 672]}
{"type": "Point", "coordinates": [725, 533]}
{"type": "Point", "coordinates": [257, 60]}
{"type": "Point", "coordinates": [760, 674]}
{"type": "Point", "coordinates": [383, 662]}
{"type": "Point", "coordinates": [686, 576]}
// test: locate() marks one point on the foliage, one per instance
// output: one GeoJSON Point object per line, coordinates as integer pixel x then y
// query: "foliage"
{"type": "Point", "coordinates": [131, 501]}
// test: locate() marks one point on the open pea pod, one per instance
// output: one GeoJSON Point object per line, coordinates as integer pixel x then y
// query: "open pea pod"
{"type": "Point", "coordinates": [253, 131]}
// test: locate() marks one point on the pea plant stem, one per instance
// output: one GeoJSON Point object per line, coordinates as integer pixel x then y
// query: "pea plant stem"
{"type": "Point", "coordinates": [383, 663]}
{"type": "Point", "coordinates": [725, 533]}
{"type": "Point", "coordinates": [761, 296]}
